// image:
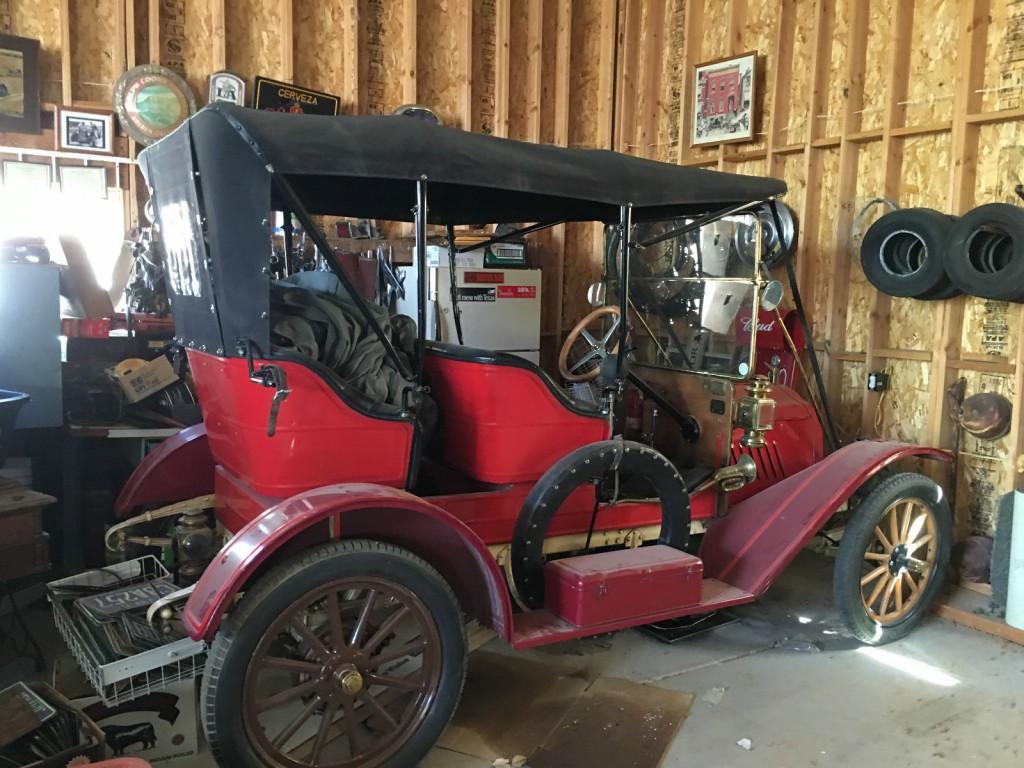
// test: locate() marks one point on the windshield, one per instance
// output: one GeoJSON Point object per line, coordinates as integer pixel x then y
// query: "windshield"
{"type": "Point", "coordinates": [691, 296]}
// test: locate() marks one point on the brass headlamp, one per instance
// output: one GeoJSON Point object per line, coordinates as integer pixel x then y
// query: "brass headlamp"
{"type": "Point", "coordinates": [755, 413]}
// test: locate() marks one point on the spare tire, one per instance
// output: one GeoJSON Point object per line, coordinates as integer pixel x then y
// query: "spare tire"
{"type": "Point", "coordinates": [985, 256]}
{"type": "Point", "coordinates": [902, 253]}
{"type": "Point", "coordinates": [777, 247]}
{"type": "Point", "coordinates": [590, 464]}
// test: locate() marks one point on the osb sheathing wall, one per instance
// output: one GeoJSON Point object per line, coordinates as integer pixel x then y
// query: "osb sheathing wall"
{"type": "Point", "coordinates": [919, 101]}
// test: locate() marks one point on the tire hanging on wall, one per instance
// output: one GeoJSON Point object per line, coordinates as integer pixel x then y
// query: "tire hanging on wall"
{"type": "Point", "coordinates": [985, 255]}
{"type": "Point", "coordinates": [902, 254]}
{"type": "Point", "coordinates": [777, 247]}
{"type": "Point", "coordinates": [590, 464]}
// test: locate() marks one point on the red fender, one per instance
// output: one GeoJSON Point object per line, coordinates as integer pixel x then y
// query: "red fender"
{"type": "Point", "coordinates": [180, 468]}
{"type": "Point", "coordinates": [749, 547]}
{"type": "Point", "coordinates": [359, 510]}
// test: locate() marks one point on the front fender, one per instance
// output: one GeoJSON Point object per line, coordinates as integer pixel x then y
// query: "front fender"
{"type": "Point", "coordinates": [760, 536]}
{"type": "Point", "coordinates": [356, 510]}
{"type": "Point", "coordinates": [181, 467]}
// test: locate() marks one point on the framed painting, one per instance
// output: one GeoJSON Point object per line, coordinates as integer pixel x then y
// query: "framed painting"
{"type": "Point", "coordinates": [724, 96]}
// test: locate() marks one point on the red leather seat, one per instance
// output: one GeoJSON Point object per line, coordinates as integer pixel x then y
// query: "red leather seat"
{"type": "Point", "coordinates": [502, 419]}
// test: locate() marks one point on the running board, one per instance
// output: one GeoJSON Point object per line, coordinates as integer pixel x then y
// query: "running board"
{"type": "Point", "coordinates": [609, 591]}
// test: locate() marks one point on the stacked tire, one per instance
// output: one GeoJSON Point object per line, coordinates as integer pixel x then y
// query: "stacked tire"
{"type": "Point", "coordinates": [921, 253]}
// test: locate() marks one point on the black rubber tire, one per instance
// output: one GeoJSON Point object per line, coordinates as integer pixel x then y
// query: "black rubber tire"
{"type": "Point", "coordinates": [985, 256]}
{"type": "Point", "coordinates": [858, 536]}
{"type": "Point", "coordinates": [239, 635]}
{"type": "Point", "coordinates": [587, 465]}
{"type": "Point", "coordinates": [902, 253]}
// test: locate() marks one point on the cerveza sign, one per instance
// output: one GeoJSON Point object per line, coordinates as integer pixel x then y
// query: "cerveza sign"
{"type": "Point", "coordinates": [275, 96]}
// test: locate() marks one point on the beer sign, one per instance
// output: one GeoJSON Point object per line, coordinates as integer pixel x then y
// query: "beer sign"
{"type": "Point", "coordinates": [275, 96]}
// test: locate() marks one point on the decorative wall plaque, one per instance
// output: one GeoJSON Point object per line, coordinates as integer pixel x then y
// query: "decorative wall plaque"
{"type": "Point", "coordinates": [151, 101]}
{"type": "Point", "coordinates": [227, 86]}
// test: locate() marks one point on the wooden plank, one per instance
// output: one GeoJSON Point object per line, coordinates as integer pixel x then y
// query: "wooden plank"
{"type": "Point", "coordinates": [153, 16]}
{"type": "Point", "coordinates": [782, 77]}
{"type": "Point", "coordinates": [964, 606]}
{"type": "Point", "coordinates": [810, 213]}
{"type": "Point", "coordinates": [606, 75]}
{"type": "Point", "coordinates": [119, 53]}
{"type": "Point", "coordinates": [990, 118]}
{"type": "Point", "coordinates": [286, 68]}
{"type": "Point", "coordinates": [464, 40]}
{"type": "Point", "coordinates": [649, 80]}
{"type": "Point", "coordinates": [627, 63]}
{"type": "Point", "coordinates": [901, 31]}
{"type": "Point", "coordinates": [693, 24]}
{"type": "Point", "coordinates": [502, 66]}
{"type": "Point", "coordinates": [218, 36]}
{"type": "Point", "coordinates": [351, 24]}
{"type": "Point", "coordinates": [409, 51]}
{"type": "Point", "coordinates": [563, 61]}
{"type": "Point", "coordinates": [563, 55]}
{"type": "Point", "coordinates": [734, 32]}
{"type": "Point", "coordinates": [839, 286]}
{"type": "Point", "coordinates": [66, 90]}
{"type": "Point", "coordinates": [973, 22]}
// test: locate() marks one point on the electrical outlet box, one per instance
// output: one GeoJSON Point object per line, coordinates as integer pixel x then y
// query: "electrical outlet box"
{"type": "Point", "coordinates": [878, 381]}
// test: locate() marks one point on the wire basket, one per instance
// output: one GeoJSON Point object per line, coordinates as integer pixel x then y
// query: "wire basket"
{"type": "Point", "coordinates": [126, 678]}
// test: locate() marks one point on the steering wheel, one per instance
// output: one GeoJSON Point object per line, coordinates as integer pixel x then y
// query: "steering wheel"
{"type": "Point", "coordinates": [598, 348]}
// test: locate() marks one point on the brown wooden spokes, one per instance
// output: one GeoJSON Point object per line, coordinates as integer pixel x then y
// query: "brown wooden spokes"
{"type": "Point", "coordinates": [343, 677]}
{"type": "Point", "coordinates": [899, 560]}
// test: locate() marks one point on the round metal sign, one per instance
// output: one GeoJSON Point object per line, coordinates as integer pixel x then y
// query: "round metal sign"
{"type": "Point", "coordinates": [151, 101]}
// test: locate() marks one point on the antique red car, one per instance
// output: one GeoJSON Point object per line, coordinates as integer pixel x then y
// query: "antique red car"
{"type": "Point", "coordinates": [376, 491]}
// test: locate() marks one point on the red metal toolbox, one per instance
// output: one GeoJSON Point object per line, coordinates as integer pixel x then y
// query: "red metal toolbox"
{"type": "Point", "coordinates": [624, 583]}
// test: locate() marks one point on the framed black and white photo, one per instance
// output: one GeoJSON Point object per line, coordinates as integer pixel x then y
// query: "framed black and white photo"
{"type": "Point", "coordinates": [19, 84]}
{"type": "Point", "coordinates": [723, 101]}
{"type": "Point", "coordinates": [86, 131]}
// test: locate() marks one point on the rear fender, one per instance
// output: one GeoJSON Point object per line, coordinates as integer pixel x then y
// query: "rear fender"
{"type": "Point", "coordinates": [354, 510]}
{"type": "Point", "coordinates": [760, 536]}
{"type": "Point", "coordinates": [181, 467]}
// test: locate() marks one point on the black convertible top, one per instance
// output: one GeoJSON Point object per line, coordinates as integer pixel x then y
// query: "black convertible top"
{"type": "Point", "coordinates": [368, 166]}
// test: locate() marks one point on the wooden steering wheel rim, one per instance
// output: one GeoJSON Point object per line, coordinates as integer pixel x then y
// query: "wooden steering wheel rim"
{"type": "Point", "coordinates": [563, 356]}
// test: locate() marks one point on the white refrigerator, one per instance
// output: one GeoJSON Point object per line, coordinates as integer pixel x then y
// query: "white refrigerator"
{"type": "Point", "coordinates": [500, 308]}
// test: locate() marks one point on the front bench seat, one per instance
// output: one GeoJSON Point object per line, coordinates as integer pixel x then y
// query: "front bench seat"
{"type": "Point", "coordinates": [503, 420]}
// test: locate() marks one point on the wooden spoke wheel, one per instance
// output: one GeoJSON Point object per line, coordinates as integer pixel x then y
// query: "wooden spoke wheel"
{"type": "Point", "coordinates": [892, 558]}
{"type": "Point", "coordinates": [353, 659]}
{"type": "Point", "coordinates": [900, 560]}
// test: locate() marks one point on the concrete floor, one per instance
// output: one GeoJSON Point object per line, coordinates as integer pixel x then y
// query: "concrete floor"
{"type": "Point", "coordinates": [804, 695]}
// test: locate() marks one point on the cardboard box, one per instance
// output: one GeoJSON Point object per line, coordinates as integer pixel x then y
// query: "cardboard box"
{"type": "Point", "coordinates": [140, 379]}
{"type": "Point", "coordinates": [158, 727]}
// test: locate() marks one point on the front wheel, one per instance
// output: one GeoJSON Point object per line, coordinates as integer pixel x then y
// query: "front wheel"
{"type": "Point", "coordinates": [352, 654]}
{"type": "Point", "coordinates": [892, 558]}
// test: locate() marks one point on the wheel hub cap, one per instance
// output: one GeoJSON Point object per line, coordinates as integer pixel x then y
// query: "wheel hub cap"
{"type": "Point", "coordinates": [350, 680]}
{"type": "Point", "coordinates": [898, 559]}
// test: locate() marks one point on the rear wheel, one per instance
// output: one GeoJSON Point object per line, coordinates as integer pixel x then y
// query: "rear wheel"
{"type": "Point", "coordinates": [352, 655]}
{"type": "Point", "coordinates": [892, 558]}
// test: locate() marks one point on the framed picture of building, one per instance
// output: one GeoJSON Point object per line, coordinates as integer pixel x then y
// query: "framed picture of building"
{"type": "Point", "coordinates": [724, 98]}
